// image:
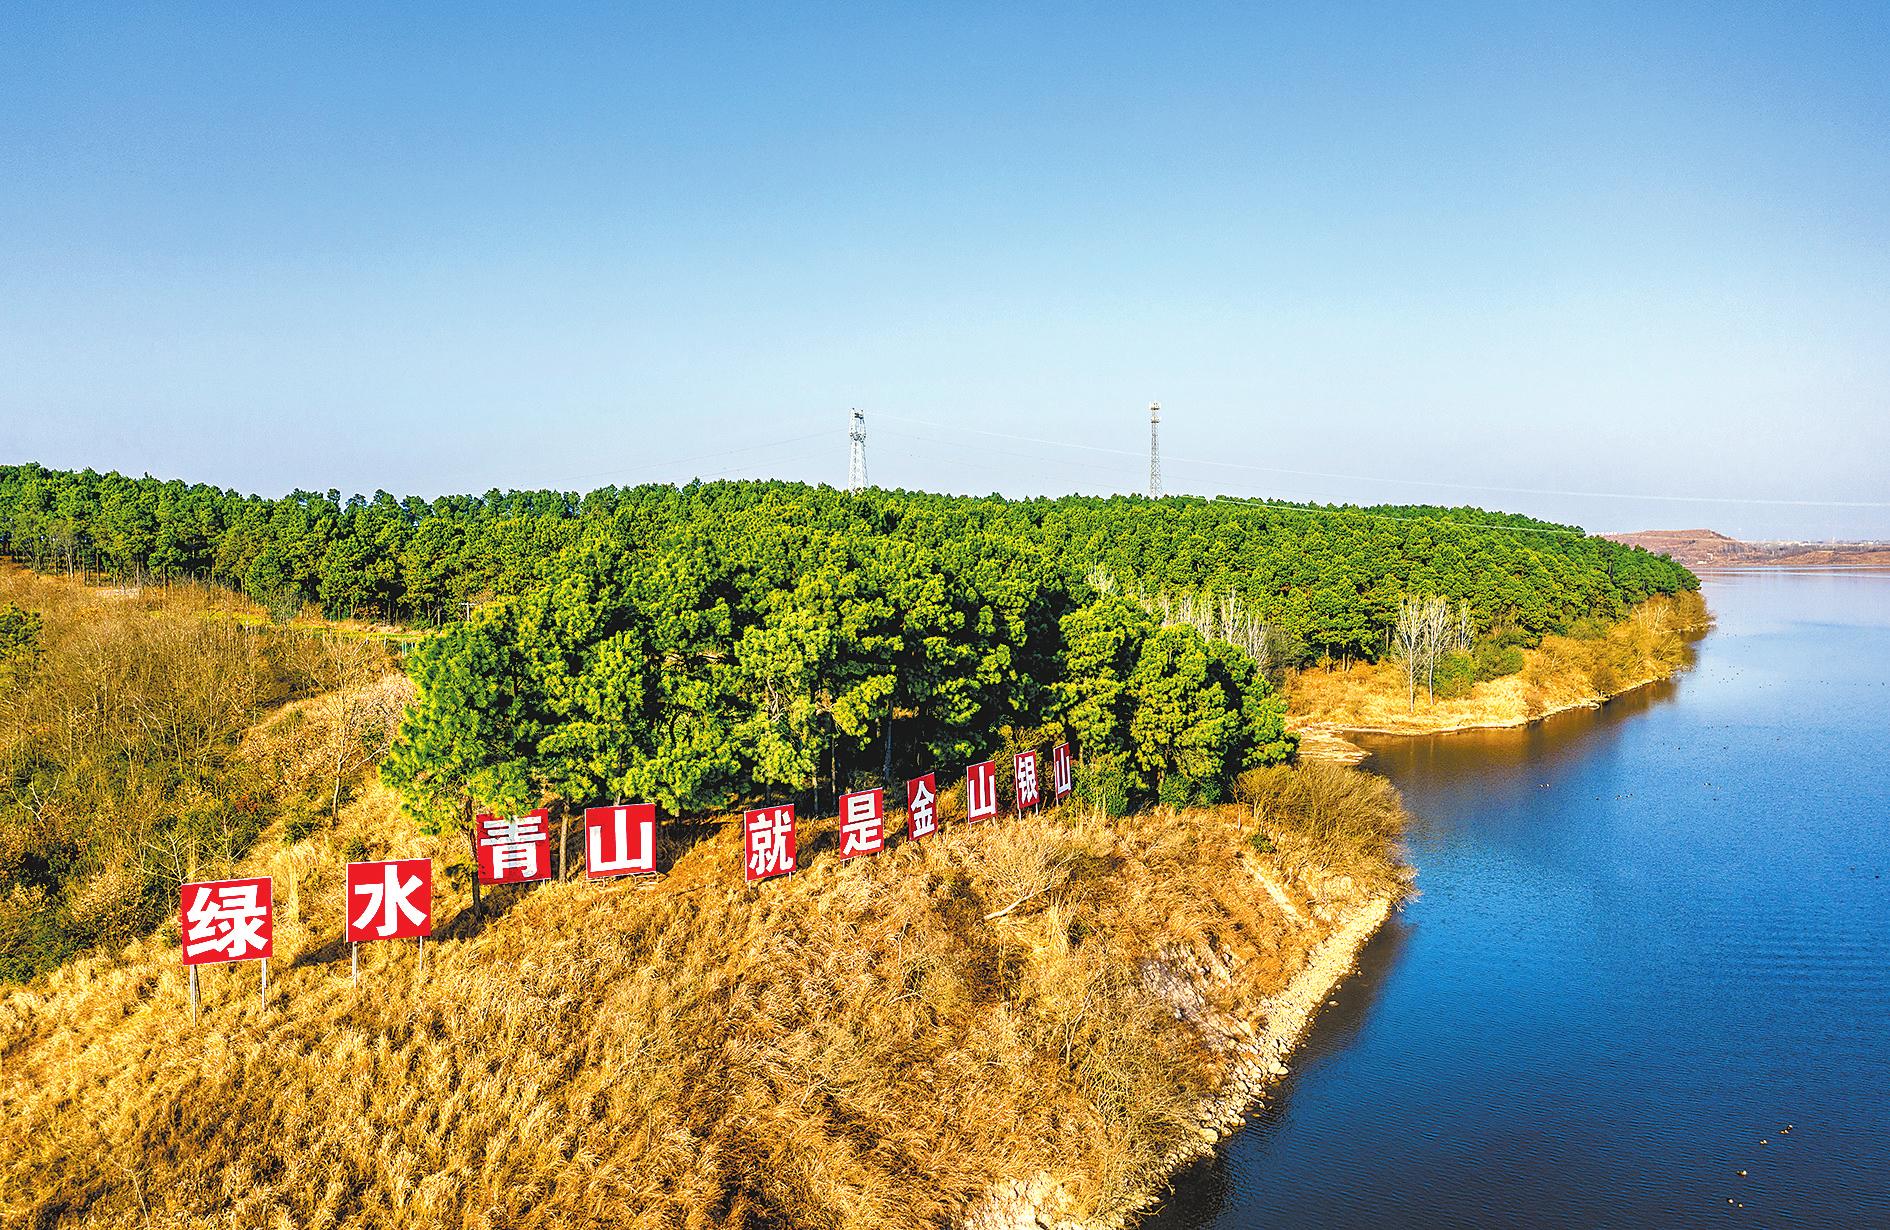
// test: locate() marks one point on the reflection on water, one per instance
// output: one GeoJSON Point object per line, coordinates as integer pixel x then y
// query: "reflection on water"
{"type": "Point", "coordinates": [1650, 937]}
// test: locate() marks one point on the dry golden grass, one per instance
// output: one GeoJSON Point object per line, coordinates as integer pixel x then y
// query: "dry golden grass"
{"type": "Point", "coordinates": [199, 599]}
{"type": "Point", "coordinates": [1331, 822]}
{"type": "Point", "coordinates": [869, 1043]}
{"type": "Point", "coordinates": [1563, 673]}
{"type": "Point", "coordinates": [856, 1045]}
{"type": "Point", "coordinates": [151, 740]}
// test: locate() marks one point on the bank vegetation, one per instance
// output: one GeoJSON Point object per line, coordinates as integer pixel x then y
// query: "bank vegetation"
{"type": "Point", "coordinates": [1068, 1000]}
{"type": "Point", "coordinates": [1463, 681]}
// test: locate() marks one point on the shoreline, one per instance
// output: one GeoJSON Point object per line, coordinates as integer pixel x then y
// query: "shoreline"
{"type": "Point", "coordinates": [1325, 738]}
{"type": "Point", "coordinates": [1716, 569]}
{"type": "Point", "coordinates": [1258, 1050]}
{"type": "Point", "coordinates": [1330, 741]}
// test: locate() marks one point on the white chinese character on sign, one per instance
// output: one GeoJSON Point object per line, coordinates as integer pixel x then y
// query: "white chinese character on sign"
{"type": "Point", "coordinates": [1026, 780]}
{"type": "Point", "coordinates": [388, 896]}
{"type": "Point", "coordinates": [862, 830]}
{"type": "Point", "coordinates": [768, 837]}
{"type": "Point", "coordinates": [921, 812]}
{"type": "Point", "coordinates": [515, 845]}
{"type": "Point", "coordinates": [227, 920]}
{"type": "Point", "coordinates": [981, 791]}
{"type": "Point", "coordinates": [637, 856]}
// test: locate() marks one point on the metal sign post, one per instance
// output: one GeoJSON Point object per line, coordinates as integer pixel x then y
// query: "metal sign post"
{"type": "Point", "coordinates": [399, 905]}
{"type": "Point", "coordinates": [226, 920]}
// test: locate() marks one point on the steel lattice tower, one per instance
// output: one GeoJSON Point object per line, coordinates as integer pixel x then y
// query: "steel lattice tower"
{"type": "Point", "coordinates": [1154, 450]}
{"type": "Point", "coordinates": [856, 460]}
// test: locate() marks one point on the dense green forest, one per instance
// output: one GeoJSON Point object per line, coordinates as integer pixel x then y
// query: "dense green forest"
{"type": "Point", "coordinates": [1327, 577]}
{"type": "Point", "coordinates": [703, 645]}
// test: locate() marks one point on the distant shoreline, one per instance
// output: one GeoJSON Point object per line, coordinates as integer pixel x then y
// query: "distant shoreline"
{"type": "Point", "coordinates": [1787, 567]}
{"type": "Point", "coordinates": [1334, 742]}
{"type": "Point", "coordinates": [1561, 675]}
{"type": "Point", "coordinates": [1702, 550]}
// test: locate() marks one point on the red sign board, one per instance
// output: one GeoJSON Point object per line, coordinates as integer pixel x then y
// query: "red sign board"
{"type": "Point", "coordinates": [1025, 764]}
{"type": "Point", "coordinates": [1062, 771]}
{"type": "Point", "coordinates": [862, 823]}
{"type": "Point", "coordinates": [514, 850]}
{"type": "Point", "coordinates": [227, 920]}
{"type": "Point", "coordinates": [981, 791]}
{"type": "Point", "coordinates": [391, 900]}
{"type": "Point", "coordinates": [619, 841]}
{"type": "Point", "coordinates": [921, 807]}
{"type": "Point", "coordinates": [768, 842]}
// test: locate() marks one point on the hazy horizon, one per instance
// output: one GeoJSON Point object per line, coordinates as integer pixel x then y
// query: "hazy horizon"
{"type": "Point", "coordinates": [814, 468]}
{"type": "Point", "coordinates": [1534, 261]}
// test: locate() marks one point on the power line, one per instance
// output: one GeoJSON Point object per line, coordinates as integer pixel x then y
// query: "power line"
{"type": "Point", "coordinates": [1418, 482]}
{"type": "Point", "coordinates": [710, 456]}
{"type": "Point", "coordinates": [1111, 479]}
{"type": "Point", "coordinates": [809, 455]}
{"type": "Point", "coordinates": [1599, 495]}
{"type": "Point", "coordinates": [1005, 435]}
{"type": "Point", "coordinates": [1281, 505]}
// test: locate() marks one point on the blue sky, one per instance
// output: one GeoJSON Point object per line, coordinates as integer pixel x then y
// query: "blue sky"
{"type": "Point", "coordinates": [1603, 249]}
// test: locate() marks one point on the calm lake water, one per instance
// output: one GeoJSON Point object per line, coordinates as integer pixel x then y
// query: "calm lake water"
{"type": "Point", "coordinates": [1650, 937]}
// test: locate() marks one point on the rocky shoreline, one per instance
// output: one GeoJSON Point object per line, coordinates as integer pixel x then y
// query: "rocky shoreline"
{"type": "Point", "coordinates": [1256, 1052]}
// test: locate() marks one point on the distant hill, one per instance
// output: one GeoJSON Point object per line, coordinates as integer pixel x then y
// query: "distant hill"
{"type": "Point", "coordinates": [1712, 549]}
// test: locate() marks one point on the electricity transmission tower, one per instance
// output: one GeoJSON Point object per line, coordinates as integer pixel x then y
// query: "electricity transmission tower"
{"type": "Point", "coordinates": [1154, 450]}
{"type": "Point", "coordinates": [856, 460]}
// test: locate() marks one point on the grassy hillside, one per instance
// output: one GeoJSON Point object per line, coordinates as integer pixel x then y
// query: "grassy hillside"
{"type": "Point", "coordinates": [880, 1042]}
{"type": "Point", "coordinates": [151, 735]}
{"type": "Point", "coordinates": [867, 1044]}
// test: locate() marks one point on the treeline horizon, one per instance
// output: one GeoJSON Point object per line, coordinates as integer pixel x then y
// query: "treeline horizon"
{"type": "Point", "coordinates": [418, 561]}
{"type": "Point", "coordinates": [721, 643]}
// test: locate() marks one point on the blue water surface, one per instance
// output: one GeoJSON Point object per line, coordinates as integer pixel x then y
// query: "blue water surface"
{"type": "Point", "coordinates": [1652, 950]}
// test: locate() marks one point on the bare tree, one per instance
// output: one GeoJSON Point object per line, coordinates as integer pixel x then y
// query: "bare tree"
{"type": "Point", "coordinates": [1225, 618]}
{"type": "Point", "coordinates": [1409, 642]}
{"type": "Point", "coordinates": [1439, 632]}
{"type": "Point", "coordinates": [1425, 629]}
{"type": "Point", "coordinates": [364, 702]}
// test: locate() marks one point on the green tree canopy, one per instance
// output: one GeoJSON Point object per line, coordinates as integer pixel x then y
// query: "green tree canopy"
{"type": "Point", "coordinates": [702, 645]}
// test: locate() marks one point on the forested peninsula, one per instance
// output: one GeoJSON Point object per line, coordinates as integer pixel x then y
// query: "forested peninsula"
{"type": "Point", "coordinates": [1030, 1019]}
{"type": "Point", "coordinates": [695, 646]}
